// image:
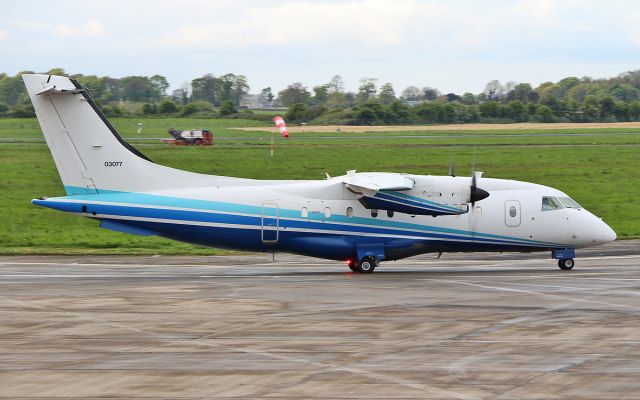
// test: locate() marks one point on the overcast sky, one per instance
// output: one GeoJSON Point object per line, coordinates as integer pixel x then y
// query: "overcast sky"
{"type": "Point", "coordinates": [456, 46]}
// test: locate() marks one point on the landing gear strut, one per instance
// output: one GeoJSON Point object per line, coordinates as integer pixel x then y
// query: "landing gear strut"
{"type": "Point", "coordinates": [366, 266]}
{"type": "Point", "coordinates": [566, 263]}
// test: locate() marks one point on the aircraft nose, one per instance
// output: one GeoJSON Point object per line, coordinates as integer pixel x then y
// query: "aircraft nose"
{"type": "Point", "coordinates": [605, 234]}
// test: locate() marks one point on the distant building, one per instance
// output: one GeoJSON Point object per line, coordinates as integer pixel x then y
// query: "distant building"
{"type": "Point", "coordinates": [412, 103]}
{"type": "Point", "coordinates": [254, 101]}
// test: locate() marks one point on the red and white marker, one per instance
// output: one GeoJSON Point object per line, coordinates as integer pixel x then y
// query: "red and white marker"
{"type": "Point", "coordinates": [279, 121]}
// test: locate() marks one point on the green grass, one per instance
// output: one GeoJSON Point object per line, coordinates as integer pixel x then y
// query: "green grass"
{"type": "Point", "coordinates": [600, 172]}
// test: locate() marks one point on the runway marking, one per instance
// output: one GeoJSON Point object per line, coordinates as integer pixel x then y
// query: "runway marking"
{"type": "Point", "coordinates": [577, 289]}
{"type": "Point", "coordinates": [504, 289]}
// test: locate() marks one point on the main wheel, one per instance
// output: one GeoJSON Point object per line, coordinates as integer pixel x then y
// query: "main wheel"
{"type": "Point", "coordinates": [566, 264]}
{"type": "Point", "coordinates": [367, 265]}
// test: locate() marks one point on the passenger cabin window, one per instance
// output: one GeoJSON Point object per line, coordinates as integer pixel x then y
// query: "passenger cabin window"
{"type": "Point", "coordinates": [568, 202]}
{"type": "Point", "coordinates": [550, 203]}
{"type": "Point", "coordinates": [374, 213]}
{"type": "Point", "coordinates": [327, 212]}
{"type": "Point", "coordinates": [349, 212]}
{"type": "Point", "coordinates": [390, 213]}
{"type": "Point", "coordinates": [304, 213]}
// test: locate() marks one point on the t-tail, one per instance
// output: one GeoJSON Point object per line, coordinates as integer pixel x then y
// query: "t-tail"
{"type": "Point", "coordinates": [88, 152]}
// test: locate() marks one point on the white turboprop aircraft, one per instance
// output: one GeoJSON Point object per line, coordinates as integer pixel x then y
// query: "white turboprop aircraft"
{"type": "Point", "coordinates": [361, 218]}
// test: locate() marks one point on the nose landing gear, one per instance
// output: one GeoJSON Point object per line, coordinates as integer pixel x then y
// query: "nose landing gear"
{"type": "Point", "coordinates": [566, 263]}
{"type": "Point", "coordinates": [366, 266]}
{"type": "Point", "coordinates": [564, 257]}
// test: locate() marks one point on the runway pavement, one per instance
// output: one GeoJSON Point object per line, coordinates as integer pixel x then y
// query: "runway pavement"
{"type": "Point", "coordinates": [467, 326]}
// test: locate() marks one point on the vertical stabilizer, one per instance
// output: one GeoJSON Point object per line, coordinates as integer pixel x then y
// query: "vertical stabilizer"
{"type": "Point", "coordinates": [87, 150]}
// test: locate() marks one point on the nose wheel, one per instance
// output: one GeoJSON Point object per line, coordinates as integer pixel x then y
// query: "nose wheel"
{"type": "Point", "coordinates": [566, 264]}
{"type": "Point", "coordinates": [365, 266]}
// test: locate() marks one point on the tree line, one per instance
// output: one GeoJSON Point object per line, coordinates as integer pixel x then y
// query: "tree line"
{"type": "Point", "coordinates": [568, 100]}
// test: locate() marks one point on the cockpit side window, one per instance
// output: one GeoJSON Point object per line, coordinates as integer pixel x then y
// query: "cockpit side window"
{"type": "Point", "coordinates": [568, 202]}
{"type": "Point", "coordinates": [550, 203]}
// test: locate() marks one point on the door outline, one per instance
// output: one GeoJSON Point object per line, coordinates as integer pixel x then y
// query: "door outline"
{"type": "Point", "coordinates": [508, 219]}
{"type": "Point", "coordinates": [269, 227]}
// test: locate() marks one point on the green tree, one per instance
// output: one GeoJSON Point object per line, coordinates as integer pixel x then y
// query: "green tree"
{"type": "Point", "coordinates": [468, 99]}
{"type": "Point", "coordinates": [430, 94]}
{"type": "Point", "coordinates": [227, 108]}
{"type": "Point", "coordinates": [148, 108]}
{"type": "Point", "coordinates": [399, 112]}
{"type": "Point", "coordinates": [320, 94]}
{"type": "Point", "coordinates": [267, 94]}
{"type": "Point", "coordinates": [522, 92]}
{"type": "Point", "coordinates": [387, 94]}
{"type": "Point", "coordinates": [367, 90]}
{"type": "Point", "coordinates": [137, 88]}
{"type": "Point", "coordinates": [545, 113]}
{"type": "Point", "coordinates": [205, 88]}
{"type": "Point", "coordinates": [336, 84]}
{"type": "Point", "coordinates": [634, 110]}
{"type": "Point", "coordinates": [491, 109]}
{"type": "Point", "coordinates": [240, 88]}
{"type": "Point", "coordinates": [160, 86]}
{"type": "Point", "coordinates": [607, 106]}
{"type": "Point", "coordinates": [167, 107]}
{"type": "Point", "coordinates": [517, 111]}
{"type": "Point", "coordinates": [294, 94]}
{"type": "Point", "coordinates": [411, 93]}
{"type": "Point", "coordinates": [296, 112]}
{"type": "Point", "coordinates": [370, 113]}
{"type": "Point", "coordinates": [194, 107]}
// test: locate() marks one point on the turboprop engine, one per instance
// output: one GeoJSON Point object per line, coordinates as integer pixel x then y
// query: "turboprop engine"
{"type": "Point", "coordinates": [415, 194]}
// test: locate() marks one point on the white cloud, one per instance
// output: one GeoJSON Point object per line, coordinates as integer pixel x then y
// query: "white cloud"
{"type": "Point", "coordinates": [91, 29]}
{"type": "Point", "coordinates": [3, 34]}
{"type": "Point", "coordinates": [368, 22]}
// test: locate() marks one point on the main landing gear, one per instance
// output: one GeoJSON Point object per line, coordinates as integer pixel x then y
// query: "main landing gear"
{"type": "Point", "coordinates": [566, 263]}
{"type": "Point", "coordinates": [366, 266]}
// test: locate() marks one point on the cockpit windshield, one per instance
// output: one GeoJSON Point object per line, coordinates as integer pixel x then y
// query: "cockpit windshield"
{"type": "Point", "coordinates": [569, 202]}
{"type": "Point", "coordinates": [550, 203]}
{"type": "Point", "coordinates": [556, 203]}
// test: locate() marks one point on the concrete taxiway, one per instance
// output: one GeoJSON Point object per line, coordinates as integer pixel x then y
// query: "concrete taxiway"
{"type": "Point", "coordinates": [468, 326]}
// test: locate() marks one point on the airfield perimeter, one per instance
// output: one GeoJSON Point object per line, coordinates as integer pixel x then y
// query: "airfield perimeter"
{"type": "Point", "coordinates": [467, 326]}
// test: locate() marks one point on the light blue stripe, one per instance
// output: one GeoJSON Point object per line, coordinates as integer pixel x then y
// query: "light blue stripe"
{"type": "Point", "coordinates": [166, 201]}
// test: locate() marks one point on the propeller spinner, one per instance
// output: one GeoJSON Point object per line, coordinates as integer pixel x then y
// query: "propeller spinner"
{"type": "Point", "coordinates": [477, 194]}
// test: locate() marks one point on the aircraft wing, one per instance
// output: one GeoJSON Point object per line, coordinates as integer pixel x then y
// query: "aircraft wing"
{"type": "Point", "coordinates": [368, 183]}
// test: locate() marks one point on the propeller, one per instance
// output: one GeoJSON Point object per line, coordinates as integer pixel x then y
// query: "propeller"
{"type": "Point", "coordinates": [477, 194]}
{"type": "Point", "coordinates": [452, 169]}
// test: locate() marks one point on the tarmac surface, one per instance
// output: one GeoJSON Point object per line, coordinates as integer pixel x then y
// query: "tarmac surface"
{"type": "Point", "coordinates": [466, 326]}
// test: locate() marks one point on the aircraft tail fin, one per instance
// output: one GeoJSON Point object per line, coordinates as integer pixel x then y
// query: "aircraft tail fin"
{"type": "Point", "coordinates": [88, 152]}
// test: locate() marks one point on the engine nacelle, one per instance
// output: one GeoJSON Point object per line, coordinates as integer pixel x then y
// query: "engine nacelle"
{"type": "Point", "coordinates": [430, 195]}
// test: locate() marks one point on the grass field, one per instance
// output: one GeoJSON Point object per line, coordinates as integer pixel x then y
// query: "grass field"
{"type": "Point", "coordinates": [599, 167]}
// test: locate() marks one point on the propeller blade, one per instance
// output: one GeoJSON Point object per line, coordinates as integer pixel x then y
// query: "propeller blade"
{"type": "Point", "coordinates": [452, 169]}
{"type": "Point", "coordinates": [477, 194]}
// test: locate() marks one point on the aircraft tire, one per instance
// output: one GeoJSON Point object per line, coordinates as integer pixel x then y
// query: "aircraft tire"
{"type": "Point", "coordinates": [566, 264]}
{"type": "Point", "coordinates": [367, 265]}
